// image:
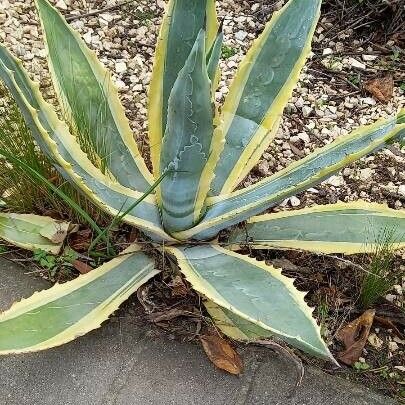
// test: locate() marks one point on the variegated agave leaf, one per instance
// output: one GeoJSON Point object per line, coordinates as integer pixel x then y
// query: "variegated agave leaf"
{"type": "Point", "coordinates": [261, 88]}
{"type": "Point", "coordinates": [178, 33]}
{"type": "Point", "coordinates": [33, 232]}
{"type": "Point", "coordinates": [254, 291]}
{"type": "Point", "coordinates": [187, 142]}
{"type": "Point", "coordinates": [60, 314]}
{"type": "Point", "coordinates": [203, 152]}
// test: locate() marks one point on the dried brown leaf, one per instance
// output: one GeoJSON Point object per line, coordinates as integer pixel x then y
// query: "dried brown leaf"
{"type": "Point", "coordinates": [354, 337]}
{"type": "Point", "coordinates": [381, 88]}
{"type": "Point", "coordinates": [221, 353]}
{"type": "Point", "coordinates": [81, 240]}
{"type": "Point", "coordinates": [178, 287]}
{"type": "Point", "coordinates": [81, 267]}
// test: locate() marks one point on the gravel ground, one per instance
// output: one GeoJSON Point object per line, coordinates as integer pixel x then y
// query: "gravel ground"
{"type": "Point", "coordinates": [317, 113]}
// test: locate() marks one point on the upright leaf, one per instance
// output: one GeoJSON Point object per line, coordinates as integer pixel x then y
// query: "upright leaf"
{"type": "Point", "coordinates": [260, 91]}
{"type": "Point", "coordinates": [213, 60]}
{"type": "Point", "coordinates": [254, 291]}
{"type": "Point", "coordinates": [90, 99]}
{"type": "Point", "coordinates": [187, 143]}
{"type": "Point", "coordinates": [66, 311]}
{"type": "Point", "coordinates": [178, 33]}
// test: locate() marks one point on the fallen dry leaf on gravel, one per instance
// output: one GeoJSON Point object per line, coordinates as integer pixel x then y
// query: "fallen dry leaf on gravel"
{"type": "Point", "coordinates": [381, 88]}
{"type": "Point", "coordinates": [354, 337]}
{"type": "Point", "coordinates": [221, 353]}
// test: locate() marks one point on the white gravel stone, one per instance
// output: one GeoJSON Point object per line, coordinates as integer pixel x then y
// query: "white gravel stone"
{"type": "Point", "coordinates": [295, 201]}
{"type": "Point", "coordinates": [357, 64]}
{"type": "Point", "coordinates": [393, 346]}
{"type": "Point", "coordinates": [335, 181]}
{"type": "Point", "coordinates": [241, 35]}
{"type": "Point", "coordinates": [375, 341]}
{"type": "Point", "coordinates": [365, 174]}
{"type": "Point", "coordinates": [61, 4]}
{"type": "Point", "coordinates": [306, 111]}
{"type": "Point", "coordinates": [304, 137]}
{"type": "Point", "coordinates": [390, 297]}
{"type": "Point", "coordinates": [120, 67]}
{"type": "Point", "coordinates": [401, 190]}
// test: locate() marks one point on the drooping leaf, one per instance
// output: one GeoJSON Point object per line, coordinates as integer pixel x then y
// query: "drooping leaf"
{"type": "Point", "coordinates": [226, 210]}
{"type": "Point", "coordinates": [55, 140]}
{"type": "Point", "coordinates": [33, 232]}
{"type": "Point", "coordinates": [334, 228]}
{"type": "Point", "coordinates": [66, 311]}
{"type": "Point", "coordinates": [90, 99]}
{"type": "Point", "coordinates": [187, 143]}
{"type": "Point", "coordinates": [261, 89]}
{"type": "Point", "coordinates": [254, 291]}
{"type": "Point", "coordinates": [181, 24]}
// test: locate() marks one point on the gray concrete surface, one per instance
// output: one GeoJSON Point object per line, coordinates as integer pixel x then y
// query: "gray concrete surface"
{"type": "Point", "coordinates": [125, 363]}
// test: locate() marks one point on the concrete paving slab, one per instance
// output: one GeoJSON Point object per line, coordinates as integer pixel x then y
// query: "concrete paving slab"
{"type": "Point", "coordinates": [123, 364]}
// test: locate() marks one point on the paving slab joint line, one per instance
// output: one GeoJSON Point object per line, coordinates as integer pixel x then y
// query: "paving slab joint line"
{"type": "Point", "coordinates": [247, 385]}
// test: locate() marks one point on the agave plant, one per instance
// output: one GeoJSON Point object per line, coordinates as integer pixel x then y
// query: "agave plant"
{"type": "Point", "coordinates": [200, 153]}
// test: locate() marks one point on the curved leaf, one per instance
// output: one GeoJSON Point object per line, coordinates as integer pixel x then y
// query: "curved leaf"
{"type": "Point", "coordinates": [336, 228]}
{"type": "Point", "coordinates": [187, 142]}
{"type": "Point", "coordinates": [60, 314]}
{"type": "Point", "coordinates": [254, 291]}
{"type": "Point", "coordinates": [224, 211]}
{"type": "Point", "coordinates": [33, 232]}
{"type": "Point", "coordinates": [178, 33]}
{"type": "Point", "coordinates": [55, 140]}
{"type": "Point", "coordinates": [261, 88]}
{"type": "Point", "coordinates": [90, 99]}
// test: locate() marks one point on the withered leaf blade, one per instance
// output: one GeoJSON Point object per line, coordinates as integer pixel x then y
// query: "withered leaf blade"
{"type": "Point", "coordinates": [56, 231]}
{"type": "Point", "coordinates": [354, 337]}
{"type": "Point", "coordinates": [381, 88]}
{"type": "Point", "coordinates": [221, 353]}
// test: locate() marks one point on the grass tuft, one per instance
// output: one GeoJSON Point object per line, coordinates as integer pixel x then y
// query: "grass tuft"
{"type": "Point", "coordinates": [20, 189]}
{"type": "Point", "coordinates": [381, 275]}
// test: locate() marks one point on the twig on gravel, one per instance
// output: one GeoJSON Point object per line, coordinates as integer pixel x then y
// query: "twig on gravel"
{"type": "Point", "coordinates": [336, 75]}
{"type": "Point", "coordinates": [96, 12]}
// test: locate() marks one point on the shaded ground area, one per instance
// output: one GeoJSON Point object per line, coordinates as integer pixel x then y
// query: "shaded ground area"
{"type": "Point", "coordinates": [127, 362]}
